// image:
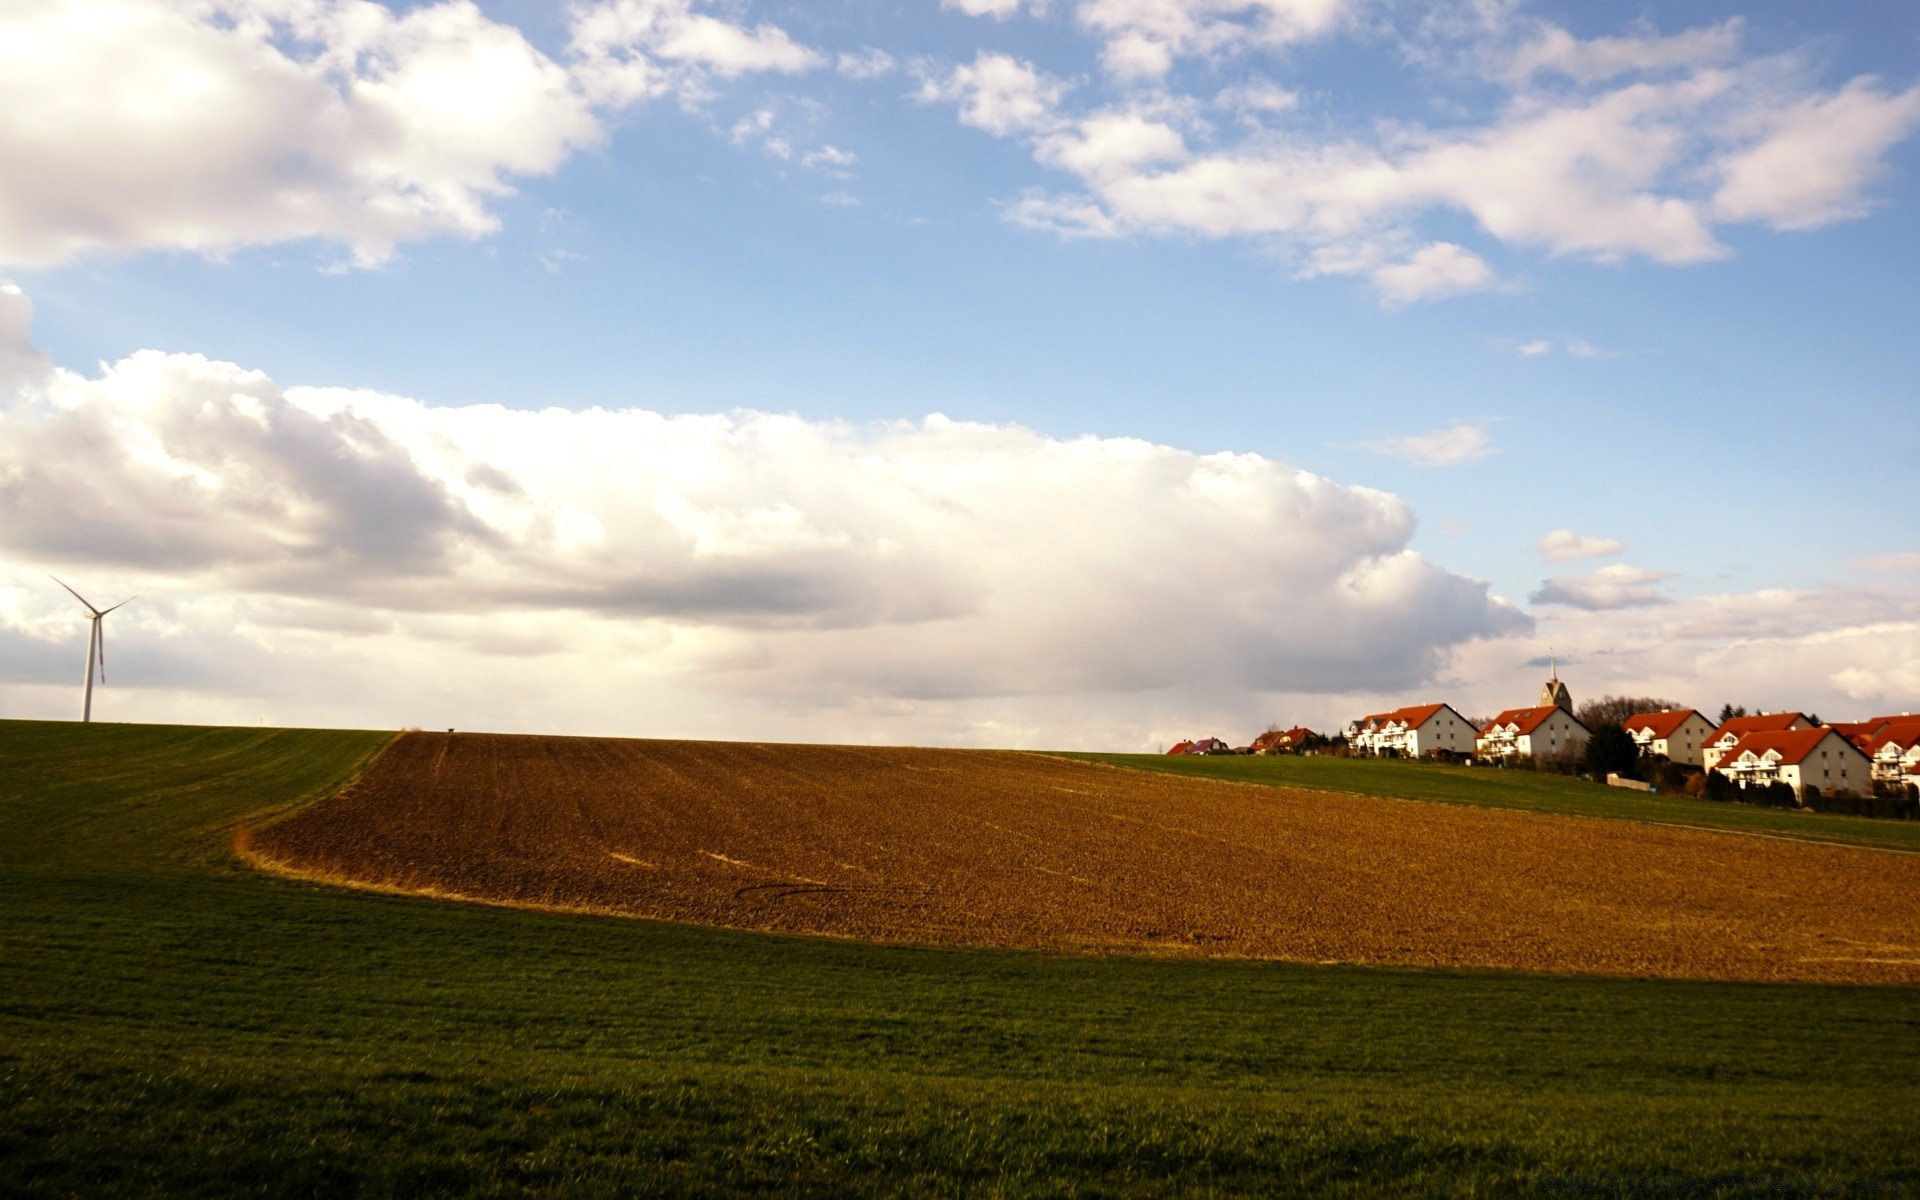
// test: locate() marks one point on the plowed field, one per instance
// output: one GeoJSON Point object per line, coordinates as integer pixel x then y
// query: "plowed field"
{"type": "Point", "coordinates": [1006, 849]}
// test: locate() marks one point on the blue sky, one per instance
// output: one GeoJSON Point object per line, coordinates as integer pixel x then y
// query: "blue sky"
{"type": "Point", "coordinates": [854, 213]}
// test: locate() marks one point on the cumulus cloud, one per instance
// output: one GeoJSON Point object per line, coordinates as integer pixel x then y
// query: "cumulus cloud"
{"type": "Point", "coordinates": [20, 360]}
{"type": "Point", "coordinates": [1432, 272]}
{"type": "Point", "coordinates": [632, 50]}
{"type": "Point", "coordinates": [143, 124]}
{"type": "Point", "coordinates": [1564, 545]}
{"type": "Point", "coordinates": [1641, 146]}
{"type": "Point", "coordinates": [1616, 586]}
{"type": "Point", "coordinates": [807, 562]}
{"type": "Point", "coordinates": [1447, 447]}
{"type": "Point", "coordinates": [998, 93]}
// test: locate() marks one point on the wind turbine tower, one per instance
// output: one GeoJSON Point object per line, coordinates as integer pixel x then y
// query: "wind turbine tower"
{"type": "Point", "coordinates": [96, 643]}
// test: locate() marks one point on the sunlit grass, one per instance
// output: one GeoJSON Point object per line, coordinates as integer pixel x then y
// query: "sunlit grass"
{"type": "Point", "coordinates": [171, 1022]}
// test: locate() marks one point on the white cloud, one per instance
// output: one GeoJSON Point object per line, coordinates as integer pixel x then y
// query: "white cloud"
{"type": "Point", "coordinates": [1431, 273]}
{"type": "Point", "coordinates": [829, 158]}
{"type": "Point", "coordinates": [1564, 545]}
{"type": "Point", "coordinates": [632, 50]}
{"type": "Point", "coordinates": [1594, 59]}
{"type": "Point", "coordinates": [735, 560]}
{"type": "Point", "coordinates": [1900, 560]}
{"type": "Point", "coordinates": [1533, 349]}
{"type": "Point", "coordinates": [1815, 156]}
{"type": "Point", "coordinates": [1256, 99]}
{"type": "Point", "coordinates": [1616, 586]}
{"type": "Point", "coordinates": [1143, 38]}
{"type": "Point", "coordinates": [1447, 447]}
{"type": "Point", "coordinates": [867, 63]}
{"type": "Point", "coordinates": [1641, 146]}
{"type": "Point", "coordinates": [130, 125]}
{"type": "Point", "coordinates": [997, 9]}
{"type": "Point", "coordinates": [1844, 653]}
{"type": "Point", "coordinates": [998, 93]}
{"type": "Point", "coordinates": [20, 360]}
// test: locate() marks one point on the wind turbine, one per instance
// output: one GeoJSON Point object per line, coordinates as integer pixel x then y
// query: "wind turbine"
{"type": "Point", "coordinates": [96, 642]}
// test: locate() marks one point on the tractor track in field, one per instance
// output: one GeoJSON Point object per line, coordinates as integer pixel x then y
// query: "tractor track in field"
{"type": "Point", "coordinates": [996, 848]}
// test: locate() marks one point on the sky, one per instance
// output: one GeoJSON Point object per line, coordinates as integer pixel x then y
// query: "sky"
{"type": "Point", "coordinates": [1085, 373]}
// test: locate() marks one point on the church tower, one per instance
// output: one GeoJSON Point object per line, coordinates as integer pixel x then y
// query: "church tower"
{"type": "Point", "coordinates": [1554, 692]}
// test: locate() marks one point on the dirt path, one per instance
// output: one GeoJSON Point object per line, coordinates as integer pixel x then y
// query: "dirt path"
{"type": "Point", "coordinates": [1005, 849]}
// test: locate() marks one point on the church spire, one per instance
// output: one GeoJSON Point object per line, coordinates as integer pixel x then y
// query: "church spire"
{"type": "Point", "coordinates": [1554, 693]}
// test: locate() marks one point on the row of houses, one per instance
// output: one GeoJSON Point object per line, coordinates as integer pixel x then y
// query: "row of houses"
{"type": "Point", "coordinates": [1771, 747]}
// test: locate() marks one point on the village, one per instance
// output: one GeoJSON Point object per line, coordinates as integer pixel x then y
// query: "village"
{"type": "Point", "coordinates": [1869, 767]}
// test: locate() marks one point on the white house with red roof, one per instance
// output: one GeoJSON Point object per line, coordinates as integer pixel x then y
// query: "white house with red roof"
{"type": "Point", "coordinates": [1800, 758]}
{"type": "Point", "coordinates": [1729, 734]}
{"type": "Point", "coordinates": [1896, 751]}
{"type": "Point", "coordinates": [1530, 733]}
{"type": "Point", "coordinates": [1414, 731]}
{"type": "Point", "coordinates": [1676, 735]}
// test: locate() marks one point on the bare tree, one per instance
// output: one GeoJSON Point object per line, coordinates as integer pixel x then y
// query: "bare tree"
{"type": "Point", "coordinates": [1614, 710]}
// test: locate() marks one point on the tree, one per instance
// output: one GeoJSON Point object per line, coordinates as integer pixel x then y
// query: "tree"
{"type": "Point", "coordinates": [1728, 712]}
{"type": "Point", "coordinates": [1614, 710]}
{"type": "Point", "coordinates": [1611, 750]}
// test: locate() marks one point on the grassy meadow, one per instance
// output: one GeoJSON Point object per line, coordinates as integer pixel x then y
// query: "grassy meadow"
{"type": "Point", "coordinates": [171, 1023]}
{"type": "Point", "coordinates": [1492, 787]}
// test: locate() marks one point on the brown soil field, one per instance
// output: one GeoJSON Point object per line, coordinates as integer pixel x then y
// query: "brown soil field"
{"type": "Point", "coordinates": [1007, 849]}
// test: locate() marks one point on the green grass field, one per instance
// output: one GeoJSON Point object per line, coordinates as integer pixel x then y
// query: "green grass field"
{"type": "Point", "coordinates": [173, 1024]}
{"type": "Point", "coordinates": [1493, 788]}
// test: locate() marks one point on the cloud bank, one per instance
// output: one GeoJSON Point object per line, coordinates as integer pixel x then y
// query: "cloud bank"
{"type": "Point", "coordinates": [743, 556]}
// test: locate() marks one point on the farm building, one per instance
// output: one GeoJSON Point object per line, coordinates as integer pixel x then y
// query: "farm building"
{"type": "Point", "coordinates": [1414, 731]}
{"type": "Point", "coordinates": [1735, 728]}
{"type": "Point", "coordinates": [1530, 732]}
{"type": "Point", "coordinates": [1800, 758]}
{"type": "Point", "coordinates": [1676, 735]}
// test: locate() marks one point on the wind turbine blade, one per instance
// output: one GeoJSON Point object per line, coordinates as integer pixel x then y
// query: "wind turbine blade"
{"type": "Point", "coordinates": [101, 642]}
{"type": "Point", "coordinates": [76, 595]}
{"type": "Point", "coordinates": [122, 604]}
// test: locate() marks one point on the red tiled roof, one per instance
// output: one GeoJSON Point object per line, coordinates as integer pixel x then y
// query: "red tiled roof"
{"type": "Point", "coordinates": [1181, 747]}
{"type": "Point", "coordinates": [1899, 733]}
{"type": "Point", "coordinates": [1764, 723]}
{"type": "Point", "coordinates": [1792, 745]}
{"type": "Point", "coordinates": [1417, 715]}
{"type": "Point", "coordinates": [1530, 719]}
{"type": "Point", "coordinates": [1661, 724]}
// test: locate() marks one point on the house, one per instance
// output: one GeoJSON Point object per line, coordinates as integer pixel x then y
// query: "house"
{"type": "Point", "coordinates": [1530, 732]}
{"type": "Point", "coordinates": [1729, 734]}
{"type": "Point", "coordinates": [1895, 751]}
{"type": "Point", "coordinates": [1676, 735]}
{"type": "Point", "coordinates": [1283, 741]}
{"type": "Point", "coordinates": [1419, 729]}
{"type": "Point", "coordinates": [1181, 748]}
{"type": "Point", "coordinates": [1212, 745]}
{"type": "Point", "coordinates": [1800, 758]}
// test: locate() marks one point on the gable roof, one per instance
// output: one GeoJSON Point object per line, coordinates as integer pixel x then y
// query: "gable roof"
{"type": "Point", "coordinates": [1791, 745]}
{"type": "Point", "coordinates": [1764, 723]}
{"type": "Point", "coordinates": [1662, 724]}
{"type": "Point", "coordinates": [1902, 734]}
{"type": "Point", "coordinates": [1417, 715]}
{"type": "Point", "coordinates": [1530, 719]}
